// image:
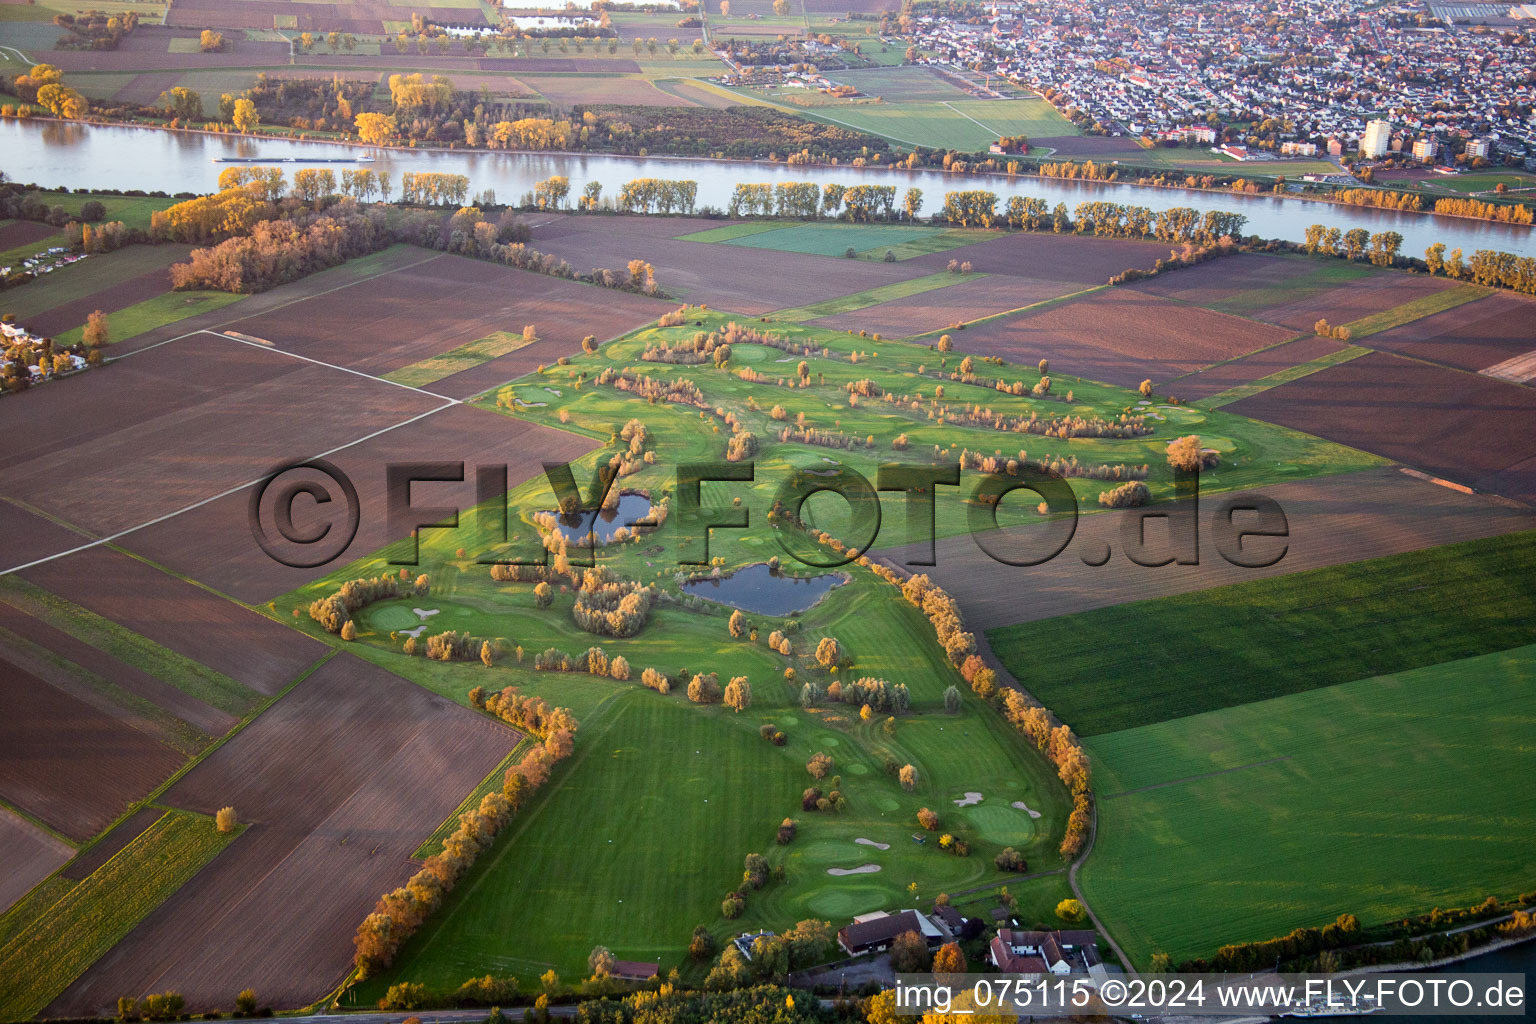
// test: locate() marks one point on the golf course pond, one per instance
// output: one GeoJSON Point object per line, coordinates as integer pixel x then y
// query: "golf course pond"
{"type": "Point", "coordinates": [764, 590]}
{"type": "Point", "coordinates": [605, 522]}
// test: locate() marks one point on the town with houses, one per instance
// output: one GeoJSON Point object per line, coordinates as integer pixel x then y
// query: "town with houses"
{"type": "Point", "coordinates": [1305, 78]}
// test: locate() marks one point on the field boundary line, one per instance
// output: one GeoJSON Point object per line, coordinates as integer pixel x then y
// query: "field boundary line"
{"type": "Point", "coordinates": [447, 403]}
{"type": "Point", "coordinates": [811, 112]}
{"type": "Point", "coordinates": [1414, 310]}
{"type": "Point", "coordinates": [1267, 348]}
{"type": "Point", "coordinates": [1196, 778]}
{"type": "Point", "coordinates": [281, 305]}
{"type": "Point", "coordinates": [293, 851]}
{"type": "Point", "coordinates": [514, 756]}
{"type": "Point", "coordinates": [49, 516]}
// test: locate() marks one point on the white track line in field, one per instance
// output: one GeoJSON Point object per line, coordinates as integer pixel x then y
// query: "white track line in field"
{"type": "Point", "coordinates": [269, 347]}
{"type": "Point", "coordinates": [971, 119]}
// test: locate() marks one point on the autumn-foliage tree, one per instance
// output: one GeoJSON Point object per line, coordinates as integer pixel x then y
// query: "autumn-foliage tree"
{"type": "Point", "coordinates": [225, 819]}
{"type": "Point", "coordinates": [909, 953]}
{"type": "Point", "coordinates": [96, 333]}
{"type": "Point", "coordinates": [738, 694]}
{"type": "Point", "coordinates": [1186, 455]}
{"type": "Point", "coordinates": [949, 959]}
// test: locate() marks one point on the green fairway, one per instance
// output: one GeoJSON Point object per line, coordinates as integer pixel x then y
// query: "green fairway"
{"type": "Point", "coordinates": [1381, 798]}
{"type": "Point", "coordinates": [663, 801]}
{"type": "Point", "coordinates": [834, 238]}
{"type": "Point", "coordinates": [1134, 664]}
{"type": "Point", "coordinates": [55, 948]}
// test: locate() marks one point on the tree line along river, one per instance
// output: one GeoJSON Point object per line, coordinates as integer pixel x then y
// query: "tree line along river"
{"type": "Point", "coordinates": [73, 155]}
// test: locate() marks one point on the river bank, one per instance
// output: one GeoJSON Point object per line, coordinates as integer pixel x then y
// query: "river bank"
{"type": "Point", "coordinates": [77, 155]}
{"type": "Point", "coordinates": [330, 139]}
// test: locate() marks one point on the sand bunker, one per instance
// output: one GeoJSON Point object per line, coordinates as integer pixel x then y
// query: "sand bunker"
{"type": "Point", "coordinates": [1021, 805]}
{"type": "Point", "coordinates": [870, 842]}
{"type": "Point", "coordinates": [413, 633]}
{"type": "Point", "coordinates": [425, 613]}
{"type": "Point", "coordinates": [862, 869]}
{"type": "Point", "coordinates": [968, 799]}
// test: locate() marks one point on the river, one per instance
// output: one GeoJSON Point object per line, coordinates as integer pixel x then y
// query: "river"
{"type": "Point", "coordinates": [94, 156]}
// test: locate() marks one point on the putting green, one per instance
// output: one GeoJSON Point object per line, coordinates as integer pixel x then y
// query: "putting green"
{"type": "Point", "coordinates": [847, 900]}
{"type": "Point", "coordinates": [1000, 823]}
{"type": "Point", "coordinates": [382, 618]}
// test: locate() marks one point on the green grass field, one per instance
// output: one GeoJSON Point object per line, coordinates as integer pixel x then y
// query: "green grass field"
{"type": "Point", "coordinates": [966, 125]}
{"type": "Point", "coordinates": [56, 947]}
{"type": "Point", "coordinates": [1134, 664]}
{"type": "Point", "coordinates": [1474, 182]}
{"type": "Point", "coordinates": [902, 84]}
{"type": "Point", "coordinates": [1382, 797]}
{"type": "Point", "coordinates": [833, 238]}
{"type": "Point", "coordinates": [667, 845]}
{"type": "Point", "coordinates": [646, 764]}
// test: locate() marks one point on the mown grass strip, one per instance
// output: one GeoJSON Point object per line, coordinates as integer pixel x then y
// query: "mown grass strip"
{"type": "Point", "coordinates": [190, 677]}
{"type": "Point", "coordinates": [1418, 309]}
{"type": "Point", "coordinates": [1149, 661]}
{"type": "Point", "coordinates": [490, 784]}
{"type": "Point", "coordinates": [465, 357]}
{"type": "Point", "coordinates": [54, 949]}
{"type": "Point", "coordinates": [874, 296]}
{"type": "Point", "coordinates": [1284, 376]}
{"type": "Point", "coordinates": [1033, 307]}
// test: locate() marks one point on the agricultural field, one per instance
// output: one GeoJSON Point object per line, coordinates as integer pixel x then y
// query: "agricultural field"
{"type": "Point", "coordinates": [1122, 338]}
{"type": "Point", "coordinates": [1462, 426]}
{"type": "Point", "coordinates": [1330, 519]}
{"type": "Point", "coordinates": [1136, 664]}
{"type": "Point", "coordinates": [341, 781]}
{"type": "Point", "coordinates": [56, 947]}
{"type": "Point", "coordinates": [1231, 826]}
